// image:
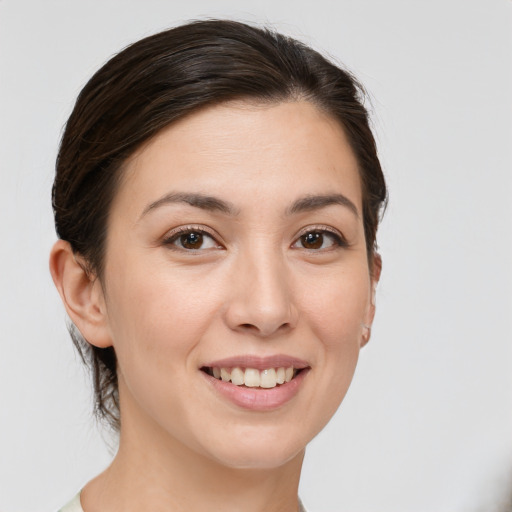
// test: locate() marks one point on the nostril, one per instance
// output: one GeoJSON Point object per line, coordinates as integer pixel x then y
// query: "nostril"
{"type": "Point", "coordinates": [264, 330]}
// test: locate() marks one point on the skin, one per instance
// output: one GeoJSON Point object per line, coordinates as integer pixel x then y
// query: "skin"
{"type": "Point", "coordinates": [253, 288]}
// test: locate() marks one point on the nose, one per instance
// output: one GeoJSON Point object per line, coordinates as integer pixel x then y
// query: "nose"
{"type": "Point", "coordinates": [261, 302]}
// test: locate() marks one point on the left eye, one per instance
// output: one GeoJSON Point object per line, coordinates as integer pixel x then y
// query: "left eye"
{"type": "Point", "coordinates": [192, 240]}
{"type": "Point", "coordinates": [315, 240]}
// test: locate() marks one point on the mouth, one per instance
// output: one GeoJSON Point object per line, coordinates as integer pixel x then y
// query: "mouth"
{"type": "Point", "coordinates": [253, 377]}
{"type": "Point", "coordinates": [256, 383]}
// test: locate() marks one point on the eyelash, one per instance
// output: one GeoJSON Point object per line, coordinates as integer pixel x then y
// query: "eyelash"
{"type": "Point", "coordinates": [174, 235]}
{"type": "Point", "coordinates": [338, 239]}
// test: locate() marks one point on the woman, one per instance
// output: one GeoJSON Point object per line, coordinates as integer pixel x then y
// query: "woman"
{"type": "Point", "coordinates": [217, 198]}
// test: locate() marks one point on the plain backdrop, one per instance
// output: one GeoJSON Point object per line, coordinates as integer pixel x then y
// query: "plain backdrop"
{"type": "Point", "coordinates": [427, 423]}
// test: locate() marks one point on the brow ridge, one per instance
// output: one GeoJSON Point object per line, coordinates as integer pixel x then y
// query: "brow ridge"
{"type": "Point", "coordinates": [211, 203]}
{"type": "Point", "coordinates": [315, 202]}
{"type": "Point", "coordinates": [202, 201]}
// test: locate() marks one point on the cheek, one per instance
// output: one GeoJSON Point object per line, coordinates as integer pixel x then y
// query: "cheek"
{"type": "Point", "coordinates": [156, 321]}
{"type": "Point", "coordinates": [336, 311]}
{"type": "Point", "coordinates": [154, 312]}
{"type": "Point", "coordinates": [337, 307]}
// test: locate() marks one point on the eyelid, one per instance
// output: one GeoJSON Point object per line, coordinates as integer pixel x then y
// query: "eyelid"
{"type": "Point", "coordinates": [321, 228]}
{"type": "Point", "coordinates": [172, 235]}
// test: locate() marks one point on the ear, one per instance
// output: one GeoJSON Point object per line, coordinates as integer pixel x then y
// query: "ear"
{"type": "Point", "coordinates": [370, 313]}
{"type": "Point", "coordinates": [81, 294]}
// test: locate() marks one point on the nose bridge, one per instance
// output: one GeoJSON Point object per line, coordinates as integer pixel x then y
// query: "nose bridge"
{"type": "Point", "coordinates": [263, 298]}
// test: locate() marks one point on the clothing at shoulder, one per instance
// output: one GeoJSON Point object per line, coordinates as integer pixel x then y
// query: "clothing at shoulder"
{"type": "Point", "coordinates": [75, 506]}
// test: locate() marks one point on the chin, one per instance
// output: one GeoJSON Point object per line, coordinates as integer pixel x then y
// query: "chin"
{"type": "Point", "coordinates": [258, 459]}
{"type": "Point", "coordinates": [252, 449]}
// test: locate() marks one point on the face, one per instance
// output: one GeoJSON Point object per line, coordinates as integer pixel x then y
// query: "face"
{"type": "Point", "coordinates": [236, 281]}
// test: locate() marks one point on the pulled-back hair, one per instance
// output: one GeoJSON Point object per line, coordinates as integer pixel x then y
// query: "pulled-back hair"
{"type": "Point", "coordinates": [160, 79]}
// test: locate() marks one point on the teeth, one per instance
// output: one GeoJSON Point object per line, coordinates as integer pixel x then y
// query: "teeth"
{"type": "Point", "coordinates": [268, 378]}
{"type": "Point", "coordinates": [225, 375]}
{"type": "Point", "coordinates": [253, 378]}
{"type": "Point", "coordinates": [237, 376]}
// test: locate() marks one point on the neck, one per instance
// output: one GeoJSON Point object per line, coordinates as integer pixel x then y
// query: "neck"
{"type": "Point", "coordinates": [153, 471]}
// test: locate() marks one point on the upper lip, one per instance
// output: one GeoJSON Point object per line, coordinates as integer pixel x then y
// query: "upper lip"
{"type": "Point", "coordinates": [258, 362]}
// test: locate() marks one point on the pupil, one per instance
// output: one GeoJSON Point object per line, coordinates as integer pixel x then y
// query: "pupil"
{"type": "Point", "coordinates": [312, 240]}
{"type": "Point", "coordinates": [192, 240]}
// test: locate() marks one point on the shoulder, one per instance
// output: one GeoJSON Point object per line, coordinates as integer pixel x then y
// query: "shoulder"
{"type": "Point", "coordinates": [73, 506]}
{"type": "Point", "coordinates": [302, 508]}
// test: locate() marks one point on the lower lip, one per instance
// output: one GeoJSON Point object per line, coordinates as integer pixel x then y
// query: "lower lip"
{"type": "Point", "coordinates": [258, 399]}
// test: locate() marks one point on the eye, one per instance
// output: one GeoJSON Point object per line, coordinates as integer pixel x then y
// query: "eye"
{"type": "Point", "coordinates": [319, 239]}
{"type": "Point", "coordinates": [191, 239]}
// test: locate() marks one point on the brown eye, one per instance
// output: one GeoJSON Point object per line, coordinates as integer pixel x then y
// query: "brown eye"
{"type": "Point", "coordinates": [192, 240]}
{"type": "Point", "coordinates": [319, 240]}
{"type": "Point", "coordinates": [312, 240]}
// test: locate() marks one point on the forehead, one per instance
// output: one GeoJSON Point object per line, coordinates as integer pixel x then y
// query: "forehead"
{"type": "Point", "coordinates": [244, 150]}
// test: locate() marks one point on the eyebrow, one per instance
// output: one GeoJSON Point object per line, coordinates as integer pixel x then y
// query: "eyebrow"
{"type": "Point", "coordinates": [211, 203]}
{"type": "Point", "coordinates": [202, 201]}
{"type": "Point", "coordinates": [315, 202]}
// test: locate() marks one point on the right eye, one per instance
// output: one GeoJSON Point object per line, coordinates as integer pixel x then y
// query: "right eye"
{"type": "Point", "coordinates": [191, 239]}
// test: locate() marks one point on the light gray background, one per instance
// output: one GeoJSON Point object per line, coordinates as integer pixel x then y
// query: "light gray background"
{"type": "Point", "coordinates": [427, 423]}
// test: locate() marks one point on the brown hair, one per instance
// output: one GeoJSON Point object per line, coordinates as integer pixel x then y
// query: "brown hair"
{"type": "Point", "coordinates": [160, 79]}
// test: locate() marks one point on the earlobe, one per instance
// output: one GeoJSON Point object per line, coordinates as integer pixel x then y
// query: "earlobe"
{"type": "Point", "coordinates": [370, 314]}
{"type": "Point", "coordinates": [81, 294]}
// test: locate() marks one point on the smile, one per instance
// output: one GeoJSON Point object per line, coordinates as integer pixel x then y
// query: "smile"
{"type": "Point", "coordinates": [252, 377]}
{"type": "Point", "coordinates": [256, 383]}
